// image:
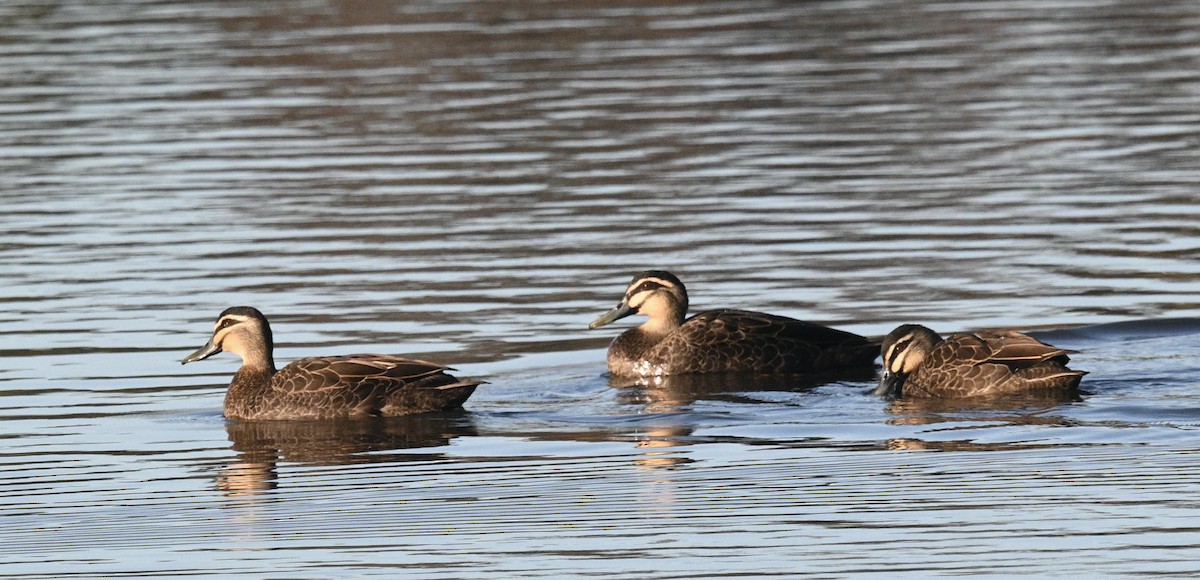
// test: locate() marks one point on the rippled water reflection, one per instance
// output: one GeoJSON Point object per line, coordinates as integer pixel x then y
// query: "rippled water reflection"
{"type": "Point", "coordinates": [473, 182]}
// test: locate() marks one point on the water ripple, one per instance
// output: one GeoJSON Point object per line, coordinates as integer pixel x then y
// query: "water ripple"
{"type": "Point", "coordinates": [473, 182]}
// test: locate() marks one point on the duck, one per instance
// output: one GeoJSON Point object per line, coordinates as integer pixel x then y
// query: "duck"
{"type": "Point", "coordinates": [919, 363]}
{"type": "Point", "coordinates": [721, 341]}
{"type": "Point", "coordinates": [326, 387]}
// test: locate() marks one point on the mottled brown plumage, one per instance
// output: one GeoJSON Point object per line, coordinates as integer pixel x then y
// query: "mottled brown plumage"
{"type": "Point", "coordinates": [351, 386]}
{"type": "Point", "coordinates": [718, 341]}
{"type": "Point", "coordinates": [919, 363]}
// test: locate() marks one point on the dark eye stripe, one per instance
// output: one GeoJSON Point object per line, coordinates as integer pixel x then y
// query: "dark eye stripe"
{"type": "Point", "coordinates": [645, 286]}
{"type": "Point", "coordinates": [899, 348]}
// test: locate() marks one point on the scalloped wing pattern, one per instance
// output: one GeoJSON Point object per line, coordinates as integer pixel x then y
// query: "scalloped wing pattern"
{"type": "Point", "coordinates": [992, 363]}
{"type": "Point", "coordinates": [359, 385]}
{"type": "Point", "coordinates": [743, 341]}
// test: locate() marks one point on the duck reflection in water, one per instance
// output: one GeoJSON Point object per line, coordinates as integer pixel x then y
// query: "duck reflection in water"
{"type": "Point", "coordinates": [670, 394]}
{"type": "Point", "coordinates": [1025, 409]}
{"type": "Point", "coordinates": [676, 393]}
{"type": "Point", "coordinates": [912, 444]}
{"type": "Point", "coordinates": [262, 445]}
{"type": "Point", "coordinates": [1015, 410]}
{"type": "Point", "coordinates": [976, 415]}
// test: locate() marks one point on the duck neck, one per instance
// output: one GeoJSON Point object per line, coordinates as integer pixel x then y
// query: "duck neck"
{"type": "Point", "coordinates": [255, 371]}
{"type": "Point", "coordinates": [660, 327]}
{"type": "Point", "coordinates": [663, 317]}
{"type": "Point", "coordinates": [249, 371]}
{"type": "Point", "coordinates": [256, 357]}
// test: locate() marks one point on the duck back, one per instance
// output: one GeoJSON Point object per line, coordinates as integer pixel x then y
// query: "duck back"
{"type": "Point", "coordinates": [741, 341]}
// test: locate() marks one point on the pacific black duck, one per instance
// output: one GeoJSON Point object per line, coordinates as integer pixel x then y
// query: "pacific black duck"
{"type": "Point", "coordinates": [919, 363]}
{"type": "Point", "coordinates": [351, 386]}
{"type": "Point", "coordinates": [721, 340]}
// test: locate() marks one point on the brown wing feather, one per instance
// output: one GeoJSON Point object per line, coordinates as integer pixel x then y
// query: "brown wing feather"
{"type": "Point", "coordinates": [748, 323]}
{"type": "Point", "coordinates": [1050, 376]}
{"type": "Point", "coordinates": [744, 341]}
{"type": "Point", "coordinates": [1020, 350]}
{"type": "Point", "coordinates": [992, 363]}
{"type": "Point", "coordinates": [955, 367]}
{"type": "Point", "coordinates": [370, 365]}
{"type": "Point", "coordinates": [959, 350]}
{"type": "Point", "coordinates": [367, 384]}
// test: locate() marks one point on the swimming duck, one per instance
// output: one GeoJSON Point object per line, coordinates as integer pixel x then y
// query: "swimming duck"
{"type": "Point", "coordinates": [919, 363]}
{"type": "Point", "coordinates": [720, 340]}
{"type": "Point", "coordinates": [351, 386]}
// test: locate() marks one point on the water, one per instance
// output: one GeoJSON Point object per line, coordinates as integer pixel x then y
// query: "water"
{"type": "Point", "coordinates": [473, 182]}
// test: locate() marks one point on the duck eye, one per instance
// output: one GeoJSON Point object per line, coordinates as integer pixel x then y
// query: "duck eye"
{"type": "Point", "coordinates": [646, 286]}
{"type": "Point", "coordinates": [225, 324]}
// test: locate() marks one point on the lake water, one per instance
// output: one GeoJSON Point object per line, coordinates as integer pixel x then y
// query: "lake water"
{"type": "Point", "coordinates": [473, 182]}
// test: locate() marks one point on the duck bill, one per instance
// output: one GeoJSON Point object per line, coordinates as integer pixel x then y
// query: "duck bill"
{"type": "Point", "coordinates": [889, 385]}
{"type": "Point", "coordinates": [621, 311]}
{"type": "Point", "coordinates": [202, 353]}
